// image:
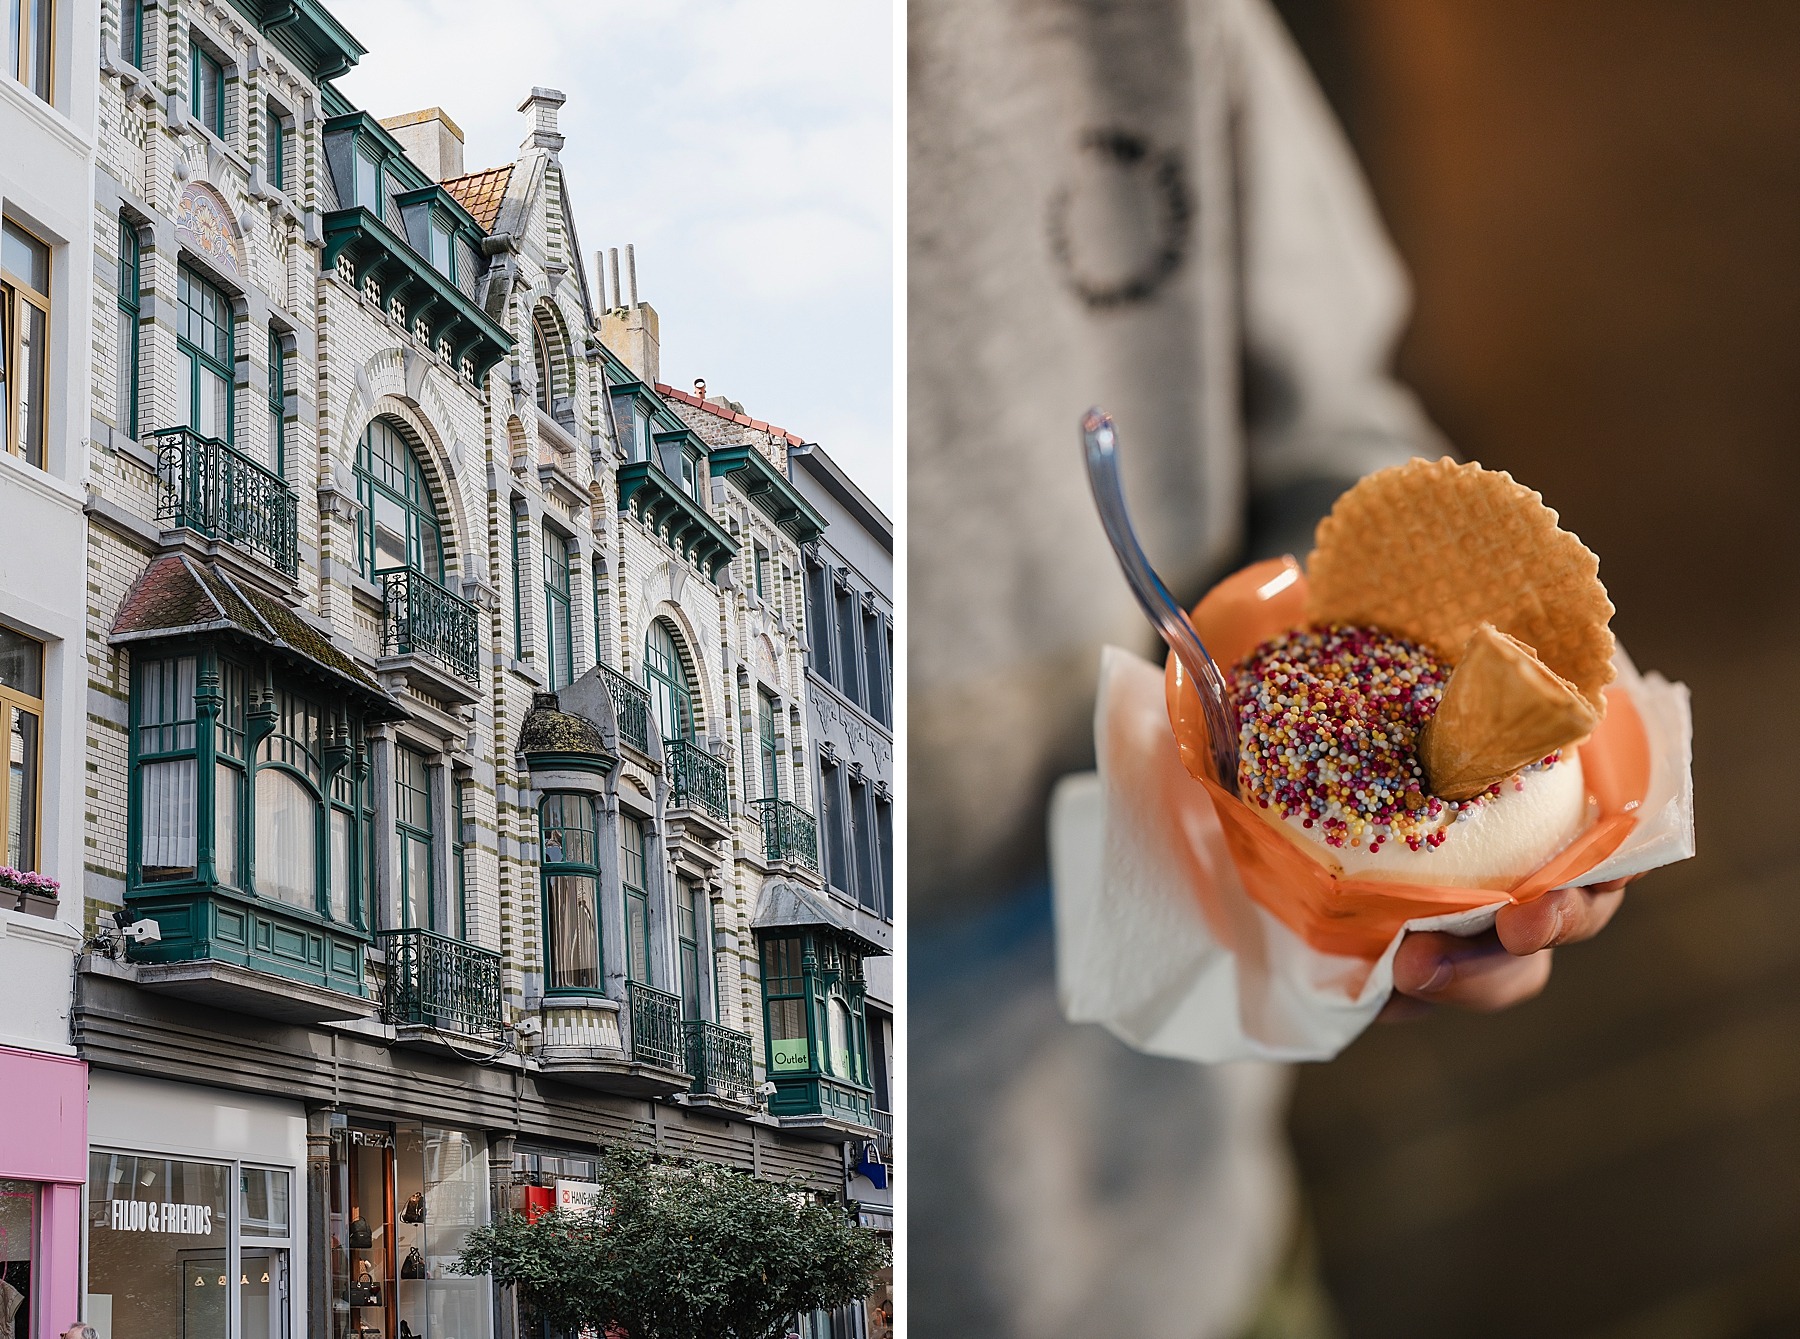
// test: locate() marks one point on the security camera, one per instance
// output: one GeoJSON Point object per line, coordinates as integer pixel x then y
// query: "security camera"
{"type": "Point", "coordinates": [528, 1026]}
{"type": "Point", "coordinates": [766, 1089]}
{"type": "Point", "coordinates": [146, 931]}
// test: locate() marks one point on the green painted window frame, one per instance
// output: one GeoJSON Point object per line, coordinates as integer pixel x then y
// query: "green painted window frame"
{"type": "Point", "coordinates": [277, 402]}
{"type": "Point", "coordinates": [666, 676]}
{"type": "Point", "coordinates": [230, 746]}
{"type": "Point", "coordinates": [690, 899]}
{"type": "Point", "coordinates": [366, 179]}
{"type": "Point", "coordinates": [559, 616]}
{"type": "Point", "coordinates": [415, 826]}
{"type": "Point", "coordinates": [131, 32]}
{"type": "Point", "coordinates": [388, 469]}
{"type": "Point", "coordinates": [768, 746]}
{"type": "Point", "coordinates": [634, 881]}
{"type": "Point", "coordinates": [206, 337]}
{"type": "Point", "coordinates": [436, 227]}
{"type": "Point", "coordinates": [595, 572]}
{"type": "Point", "coordinates": [206, 73]}
{"type": "Point", "coordinates": [459, 850]}
{"type": "Point", "coordinates": [518, 584]}
{"type": "Point", "coordinates": [569, 829]}
{"type": "Point", "coordinates": [275, 146]}
{"type": "Point", "coordinates": [787, 1005]}
{"type": "Point", "coordinates": [131, 260]}
{"type": "Point", "coordinates": [759, 567]}
{"type": "Point", "coordinates": [834, 828]}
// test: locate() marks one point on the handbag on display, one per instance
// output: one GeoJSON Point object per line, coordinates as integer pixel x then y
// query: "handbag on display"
{"type": "Point", "coordinates": [361, 1238]}
{"type": "Point", "coordinates": [407, 1332]}
{"type": "Point", "coordinates": [414, 1212]}
{"type": "Point", "coordinates": [414, 1265]}
{"type": "Point", "coordinates": [365, 1291]}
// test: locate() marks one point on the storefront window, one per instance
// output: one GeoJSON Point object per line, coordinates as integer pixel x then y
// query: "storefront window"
{"type": "Point", "coordinates": [404, 1199]}
{"type": "Point", "coordinates": [18, 1255]}
{"type": "Point", "coordinates": [160, 1258]}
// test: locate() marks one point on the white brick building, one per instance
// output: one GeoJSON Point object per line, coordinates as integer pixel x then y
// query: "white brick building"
{"type": "Point", "coordinates": [445, 709]}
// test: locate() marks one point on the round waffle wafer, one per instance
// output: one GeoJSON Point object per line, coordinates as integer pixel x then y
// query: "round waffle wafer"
{"type": "Point", "coordinates": [1432, 549]}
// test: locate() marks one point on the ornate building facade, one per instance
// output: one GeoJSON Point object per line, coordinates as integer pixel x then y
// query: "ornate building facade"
{"type": "Point", "coordinates": [449, 800]}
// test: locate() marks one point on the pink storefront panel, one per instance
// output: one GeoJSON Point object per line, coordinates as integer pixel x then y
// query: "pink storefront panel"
{"type": "Point", "coordinates": [43, 1117]}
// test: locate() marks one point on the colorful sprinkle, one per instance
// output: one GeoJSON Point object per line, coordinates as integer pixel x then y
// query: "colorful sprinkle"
{"type": "Point", "coordinates": [1329, 717]}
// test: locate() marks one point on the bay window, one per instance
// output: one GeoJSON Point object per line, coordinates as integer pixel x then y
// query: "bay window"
{"type": "Point", "coordinates": [259, 790]}
{"type": "Point", "coordinates": [571, 874]}
{"type": "Point", "coordinates": [22, 719]}
{"type": "Point", "coordinates": [24, 342]}
{"type": "Point", "coordinates": [813, 996]}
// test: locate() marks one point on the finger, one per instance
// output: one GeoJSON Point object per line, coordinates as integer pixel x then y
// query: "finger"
{"type": "Point", "coordinates": [1477, 973]}
{"type": "Point", "coordinates": [1563, 916]}
{"type": "Point", "coordinates": [1403, 1009]}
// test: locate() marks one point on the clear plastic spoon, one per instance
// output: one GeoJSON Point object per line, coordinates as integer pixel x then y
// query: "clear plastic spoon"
{"type": "Point", "coordinates": [1101, 442]}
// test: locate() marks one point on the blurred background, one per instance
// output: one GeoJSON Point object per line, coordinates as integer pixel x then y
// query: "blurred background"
{"type": "Point", "coordinates": [1599, 203]}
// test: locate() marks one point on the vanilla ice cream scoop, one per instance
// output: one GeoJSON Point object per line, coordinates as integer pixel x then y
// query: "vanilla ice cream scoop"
{"type": "Point", "coordinates": [1330, 724]}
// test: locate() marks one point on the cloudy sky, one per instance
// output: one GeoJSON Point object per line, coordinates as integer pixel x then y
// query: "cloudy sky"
{"type": "Point", "coordinates": [744, 146]}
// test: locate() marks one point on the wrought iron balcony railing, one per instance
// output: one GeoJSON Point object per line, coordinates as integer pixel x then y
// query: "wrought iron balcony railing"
{"type": "Point", "coordinates": [696, 778]}
{"type": "Point", "coordinates": [655, 1027]}
{"type": "Point", "coordinates": [631, 704]}
{"type": "Point", "coordinates": [221, 493]}
{"type": "Point", "coordinates": [789, 833]}
{"type": "Point", "coordinates": [719, 1059]}
{"type": "Point", "coordinates": [433, 981]}
{"type": "Point", "coordinates": [424, 619]}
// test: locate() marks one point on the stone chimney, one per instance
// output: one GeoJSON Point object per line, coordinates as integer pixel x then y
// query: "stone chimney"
{"type": "Point", "coordinates": [540, 113]}
{"type": "Point", "coordinates": [431, 139]}
{"type": "Point", "coordinates": [630, 328]}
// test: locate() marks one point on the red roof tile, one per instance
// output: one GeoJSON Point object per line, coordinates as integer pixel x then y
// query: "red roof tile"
{"type": "Point", "coordinates": [719, 411]}
{"type": "Point", "coordinates": [480, 193]}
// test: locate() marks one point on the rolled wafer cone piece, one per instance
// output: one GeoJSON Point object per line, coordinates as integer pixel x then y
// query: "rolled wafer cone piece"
{"type": "Point", "coordinates": [1502, 709]}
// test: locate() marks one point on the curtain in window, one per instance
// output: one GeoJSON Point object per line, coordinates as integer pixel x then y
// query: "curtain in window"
{"type": "Point", "coordinates": [225, 824]}
{"type": "Point", "coordinates": [341, 822]}
{"type": "Point", "coordinates": [287, 856]}
{"type": "Point", "coordinates": [575, 933]}
{"type": "Point", "coordinates": [169, 798]}
{"type": "Point", "coordinates": [838, 1023]}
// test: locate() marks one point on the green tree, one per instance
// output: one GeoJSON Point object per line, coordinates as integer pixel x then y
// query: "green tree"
{"type": "Point", "coordinates": [687, 1250]}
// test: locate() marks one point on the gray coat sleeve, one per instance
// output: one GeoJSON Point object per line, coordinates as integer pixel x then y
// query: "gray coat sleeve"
{"type": "Point", "coordinates": [1324, 296]}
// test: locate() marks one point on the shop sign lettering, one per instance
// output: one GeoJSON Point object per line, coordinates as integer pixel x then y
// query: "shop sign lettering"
{"type": "Point", "coordinates": [193, 1220]}
{"type": "Point", "coordinates": [576, 1196]}
{"type": "Point", "coordinates": [789, 1053]}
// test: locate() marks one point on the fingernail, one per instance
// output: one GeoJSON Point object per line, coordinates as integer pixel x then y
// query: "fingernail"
{"type": "Point", "coordinates": [1439, 978]}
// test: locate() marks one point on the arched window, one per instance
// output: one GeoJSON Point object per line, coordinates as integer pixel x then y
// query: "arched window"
{"type": "Point", "coordinates": [399, 527]}
{"type": "Point", "coordinates": [665, 675]}
{"type": "Point", "coordinates": [571, 893]}
{"type": "Point", "coordinates": [540, 354]}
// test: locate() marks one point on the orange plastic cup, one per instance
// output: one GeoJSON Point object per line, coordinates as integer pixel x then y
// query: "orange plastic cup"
{"type": "Point", "coordinates": [1335, 913]}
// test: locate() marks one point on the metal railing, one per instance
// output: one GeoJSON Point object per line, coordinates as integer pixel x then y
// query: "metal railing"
{"type": "Point", "coordinates": [696, 778]}
{"type": "Point", "coordinates": [655, 1027]}
{"type": "Point", "coordinates": [631, 704]}
{"type": "Point", "coordinates": [218, 491]}
{"type": "Point", "coordinates": [425, 619]}
{"type": "Point", "coordinates": [789, 833]}
{"type": "Point", "coordinates": [719, 1059]}
{"type": "Point", "coordinates": [434, 981]}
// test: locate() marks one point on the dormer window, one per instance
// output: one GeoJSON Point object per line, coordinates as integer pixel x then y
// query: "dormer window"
{"type": "Point", "coordinates": [443, 253]}
{"type": "Point", "coordinates": [368, 183]}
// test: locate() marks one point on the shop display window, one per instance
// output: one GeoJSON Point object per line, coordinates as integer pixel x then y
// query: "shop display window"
{"type": "Point", "coordinates": [173, 1254]}
{"type": "Point", "coordinates": [18, 1256]}
{"type": "Point", "coordinates": [404, 1199]}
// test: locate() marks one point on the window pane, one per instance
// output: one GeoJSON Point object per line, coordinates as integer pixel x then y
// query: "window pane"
{"type": "Point", "coordinates": [574, 933]}
{"type": "Point", "coordinates": [569, 830]}
{"type": "Point", "coordinates": [838, 1019]}
{"type": "Point", "coordinates": [287, 835]}
{"type": "Point", "coordinates": [275, 150]}
{"type": "Point", "coordinates": [157, 1241]}
{"type": "Point", "coordinates": [341, 828]}
{"type": "Point", "coordinates": [22, 729]}
{"type": "Point", "coordinates": [24, 257]}
{"type": "Point", "coordinates": [368, 184]}
{"type": "Point", "coordinates": [32, 373]}
{"type": "Point", "coordinates": [225, 824]}
{"type": "Point", "coordinates": [264, 1199]}
{"type": "Point", "coordinates": [131, 36]}
{"type": "Point", "coordinates": [390, 533]}
{"type": "Point", "coordinates": [848, 660]}
{"type": "Point", "coordinates": [21, 663]}
{"type": "Point", "coordinates": [771, 754]}
{"type": "Point", "coordinates": [263, 1294]}
{"type": "Point", "coordinates": [415, 858]}
{"type": "Point", "coordinates": [637, 936]}
{"type": "Point", "coordinates": [166, 798]}
{"type": "Point", "coordinates": [787, 1035]}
